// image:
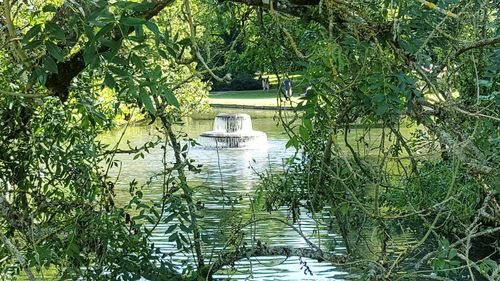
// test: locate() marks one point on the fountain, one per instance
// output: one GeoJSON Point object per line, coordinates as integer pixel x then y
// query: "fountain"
{"type": "Point", "coordinates": [233, 130]}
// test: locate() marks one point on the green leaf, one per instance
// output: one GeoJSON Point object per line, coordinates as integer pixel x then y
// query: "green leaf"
{"type": "Point", "coordinates": [109, 81]}
{"type": "Point", "coordinates": [34, 31]}
{"type": "Point", "coordinates": [140, 47]}
{"type": "Point", "coordinates": [304, 133]}
{"type": "Point", "coordinates": [484, 83]}
{"type": "Point", "coordinates": [445, 244]}
{"type": "Point", "coordinates": [147, 102]}
{"type": "Point", "coordinates": [54, 30]}
{"type": "Point", "coordinates": [54, 51]}
{"type": "Point", "coordinates": [185, 228]}
{"type": "Point", "coordinates": [111, 43]}
{"type": "Point", "coordinates": [153, 27]}
{"type": "Point", "coordinates": [104, 30]}
{"type": "Point", "coordinates": [131, 21]}
{"type": "Point", "coordinates": [381, 109]}
{"type": "Point", "coordinates": [171, 228]}
{"type": "Point", "coordinates": [162, 54]}
{"type": "Point", "coordinates": [344, 208]}
{"type": "Point", "coordinates": [205, 238]}
{"type": "Point", "coordinates": [169, 218]}
{"type": "Point", "coordinates": [139, 31]}
{"type": "Point", "coordinates": [137, 61]}
{"type": "Point", "coordinates": [378, 98]}
{"type": "Point", "coordinates": [118, 71]}
{"type": "Point", "coordinates": [73, 249]}
{"type": "Point", "coordinates": [172, 237]}
{"type": "Point", "coordinates": [120, 61]}
{"type": "Point", "coordinates": [33, 45]}
{"type": "Point", "coordinates": [49, 8]}
{"type": "Point", "coordinates": [292, 142]}
{"type": "Point", "coordinates": [171, 99]}
{"type": "Point", "coordinates": [185, 42]}
{"type": "Point", "coordinates": [90, 56]}
{"type": "Point", "coordinates": [113, 51]}
{"type": "Point", "coordinates": [151, 220]}
{"type": "Point", "coordinates": [452, 253]}
{"type": "Point", "coordinates": [38, 75]}
{"type": "Point", "coordinates": [308, 124]}
{"type": "Point", "coordinates": [50, 64]}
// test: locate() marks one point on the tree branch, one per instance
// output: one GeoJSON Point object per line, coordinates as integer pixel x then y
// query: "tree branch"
{"type": "Point", "coordinates": [20, 258]}
{"type": "Point", "coordinates": [14, 94]}
{"type": "Point", "coordinates": [479, 44]}
{"type": "Point", "coordinates": [59, 82]}
{"type": "Point", "coordinates": [12, 32]}
{"type": "Point", "coordinates": [302, 10]}
{"type": "Point", "coordinates": [261, 250]}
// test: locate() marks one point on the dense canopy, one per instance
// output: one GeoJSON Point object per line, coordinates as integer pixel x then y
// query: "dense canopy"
{"type": "Point", "coordinates": [72, 71]}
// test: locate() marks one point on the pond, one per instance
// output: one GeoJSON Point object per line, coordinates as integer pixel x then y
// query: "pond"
{"type": "Point", "coordinates": [233, 172]}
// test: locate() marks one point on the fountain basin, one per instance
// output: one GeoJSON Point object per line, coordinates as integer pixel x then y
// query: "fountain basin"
{"type": "Point", "coordinates": [233, 130]}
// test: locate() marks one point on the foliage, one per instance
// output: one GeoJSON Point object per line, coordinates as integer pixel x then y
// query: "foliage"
{"type": "Point", "coordinates": [398, 67]}
{"type": "Point", "coordinates": [240, 82]}
{"type": "Point", "coordinates": [69, 68]}
{"type": "Point", "coordinates": [57, 198]}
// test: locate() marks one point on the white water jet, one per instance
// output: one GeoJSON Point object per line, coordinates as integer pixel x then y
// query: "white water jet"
{"type": "Point", "coordinates": [233, 130]}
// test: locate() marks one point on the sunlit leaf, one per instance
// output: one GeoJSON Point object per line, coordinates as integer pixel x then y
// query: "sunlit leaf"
{"type": "Point", "coordinates": [32, 33]}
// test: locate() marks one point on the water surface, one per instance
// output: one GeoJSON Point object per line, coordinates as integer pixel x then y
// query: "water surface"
{"type": "Point", "coordinates": [233, 172]}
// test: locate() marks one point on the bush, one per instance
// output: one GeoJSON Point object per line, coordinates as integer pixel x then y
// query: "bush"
{"type": "Point", "coordinates": [241, 81]}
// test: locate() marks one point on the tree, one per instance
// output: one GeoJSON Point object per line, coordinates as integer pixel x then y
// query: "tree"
{"type": "Point", "coordinates": [393, 65]}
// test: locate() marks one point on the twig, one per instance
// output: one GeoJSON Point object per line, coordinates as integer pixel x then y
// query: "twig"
{"type": "Point", "coordinates": [195, 45]}
{"type": "Point", "coordinates": [31, 96]}
{"type": "Point", "coordinates": [479, 44]}
{"type": "Point", "coordinates": [12, 33]}
{"type": "Point", "coordinates": [22, 261]}
{"type": "Point", "coordinates": [433, 6]}
{"type": "Point", "coordinates": [476, 115]}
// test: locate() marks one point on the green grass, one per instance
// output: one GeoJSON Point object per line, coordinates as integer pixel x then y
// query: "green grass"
{"type": "Point", "coordinates": [259, 97]}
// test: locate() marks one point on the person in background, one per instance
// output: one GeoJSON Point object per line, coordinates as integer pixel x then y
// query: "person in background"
{"type": "Point", "coordinates": [288, 87]}
{"type": "Point", "coordinates": [267, 83]}
{"type": "Point", "coordinates": [263, 81]}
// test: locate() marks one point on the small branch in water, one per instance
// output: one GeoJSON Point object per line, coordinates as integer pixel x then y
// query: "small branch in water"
{"type": "Point", "coordinates": [261, 250]}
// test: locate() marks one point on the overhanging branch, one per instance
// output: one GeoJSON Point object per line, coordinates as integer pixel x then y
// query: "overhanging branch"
{"type": "Point", "coordinates": [59, 82]}
{"type": "Point", "coordinates": [479, 44]}
{"type": "Point", "coordinates": [302, 10]}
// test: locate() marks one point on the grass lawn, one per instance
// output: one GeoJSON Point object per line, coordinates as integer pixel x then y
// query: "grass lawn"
{"type": "Point", "coordinates": [257, 97]}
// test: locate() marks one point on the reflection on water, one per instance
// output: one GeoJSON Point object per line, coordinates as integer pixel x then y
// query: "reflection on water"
{"type": "Point", "coordinates": [235, 170]}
